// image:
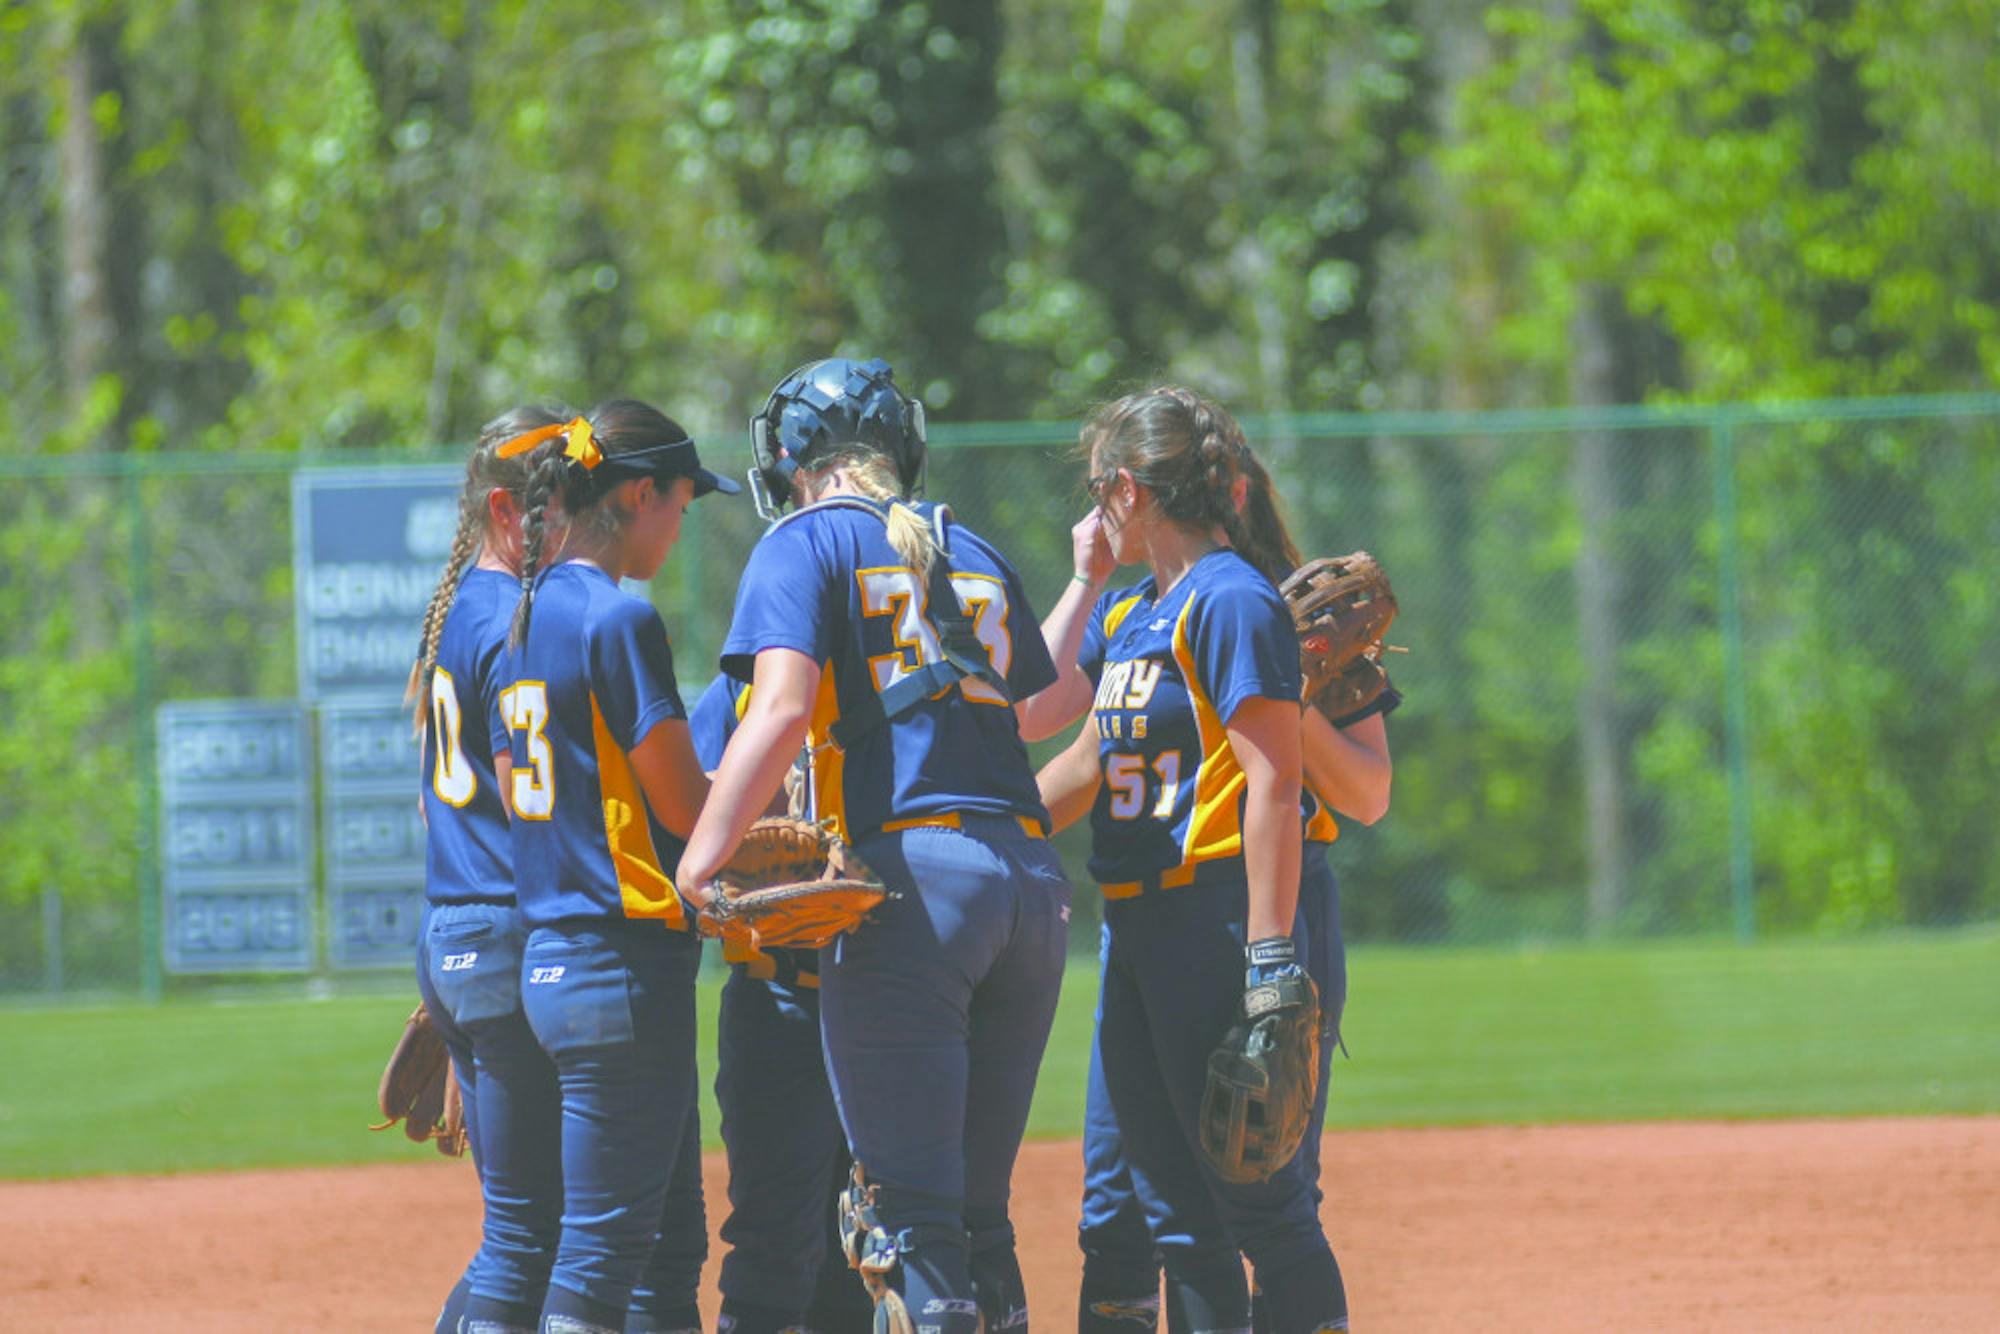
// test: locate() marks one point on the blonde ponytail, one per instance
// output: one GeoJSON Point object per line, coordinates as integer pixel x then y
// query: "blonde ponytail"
{"type": "Point", "coordinates": [874, 476]}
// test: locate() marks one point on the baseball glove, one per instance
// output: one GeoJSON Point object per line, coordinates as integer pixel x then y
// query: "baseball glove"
{"type": "Point", "coordinates": [1342, 607]}
{"type": "Point", "coordinates": [791, 884]}
{"type": "Point", "coordinates": [1258, 1101]}
{"type": "Point", "coordinates": [418, 1088]}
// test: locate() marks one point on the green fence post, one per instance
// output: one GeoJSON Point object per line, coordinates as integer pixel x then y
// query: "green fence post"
{"type": "Point", "coordinates": [142, 730]}
{"type": "Point", "coordinates": [1735, 709]}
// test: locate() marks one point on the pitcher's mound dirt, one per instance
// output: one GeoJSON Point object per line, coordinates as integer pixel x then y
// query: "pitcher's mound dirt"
{"type": "Point", "coordinates": [1870, 1224]}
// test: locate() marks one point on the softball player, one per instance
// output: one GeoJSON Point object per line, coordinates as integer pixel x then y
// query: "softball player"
{"type": "Point", "coordinates": [469, 943]}
{"type": "Point", "coordinates": [1192, 777]}
{"type": "Point", "coordinates": [893, 642]}
{"type": "Point", "coordinates": [1348, 770]}
{"type": "Point", "coordinates": [603, 785]}
{"type": "Point", "coordinates": [784, 1268]}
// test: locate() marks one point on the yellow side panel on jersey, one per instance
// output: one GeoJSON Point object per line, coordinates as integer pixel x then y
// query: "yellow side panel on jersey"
{"type": "Point", "coordinates": [1213, 827]}
{"type": "Point", "coordinates": [1320, 825]}
{"type": "Point", "coordinates": [644, 887]}
{"type": "Point", "coordinates": [829, 800]}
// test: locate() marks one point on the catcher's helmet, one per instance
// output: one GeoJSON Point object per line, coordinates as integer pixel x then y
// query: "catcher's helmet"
{"type": "Point", "coordinates": [822, 406]}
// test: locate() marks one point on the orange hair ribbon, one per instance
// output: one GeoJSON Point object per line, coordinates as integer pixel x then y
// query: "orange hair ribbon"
{"type": "Point", "coordinates": [581, 446]}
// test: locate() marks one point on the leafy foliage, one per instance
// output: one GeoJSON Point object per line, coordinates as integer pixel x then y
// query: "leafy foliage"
{"type": "Point", "coordinates": [356, 224]}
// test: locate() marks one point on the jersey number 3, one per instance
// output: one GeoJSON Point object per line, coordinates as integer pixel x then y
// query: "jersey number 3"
{"type": "Point", "coordinates": [524, 707]}
{"type": "Point", "coordinates": [898, 592]}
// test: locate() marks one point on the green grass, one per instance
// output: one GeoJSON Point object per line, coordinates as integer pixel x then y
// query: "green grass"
{"type": "Point", "coordinates": [1897, 1024]}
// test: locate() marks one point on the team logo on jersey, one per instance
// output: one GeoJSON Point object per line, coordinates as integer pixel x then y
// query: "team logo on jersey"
{"type": "Point", "coordinates": [458, 963]}
{"type": "Point", "coordinates": [1158, 625]}
{"type": "Point", "coordinates": [545, 975]}
{"type": "Point", "coordinates": [1129, 684]}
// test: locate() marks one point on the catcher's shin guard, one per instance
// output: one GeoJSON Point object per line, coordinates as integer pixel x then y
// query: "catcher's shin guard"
{"type": "Point", "coordinates": [874, 1251]}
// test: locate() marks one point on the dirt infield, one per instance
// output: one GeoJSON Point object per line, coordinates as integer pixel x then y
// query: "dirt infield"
{"type": "Point", "coordinates": [1876, 1224]}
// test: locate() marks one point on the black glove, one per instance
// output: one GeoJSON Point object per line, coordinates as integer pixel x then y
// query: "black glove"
{"type": "Point", "coordinates": [1262, 1077]}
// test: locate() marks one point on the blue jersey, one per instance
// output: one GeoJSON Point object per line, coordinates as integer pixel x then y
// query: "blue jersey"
{"type": "Point", "coordinates": [713, 719]}
{"type": "Point", "coordinates": [1170, 672]}
{"type": "Point", "coordinates": [595, 677]}
{"type": "Point", "coordinates": [468, 853]}
{"type": "Point", "coordinates": [825, 582]}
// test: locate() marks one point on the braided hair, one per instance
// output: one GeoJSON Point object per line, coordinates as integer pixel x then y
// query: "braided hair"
{"type": "Point", "coordinates": [589, 503]}
{"type": "Point", "coordinates": [484, 471]}
{"type": "Point", "coordinates": [1191, 454]}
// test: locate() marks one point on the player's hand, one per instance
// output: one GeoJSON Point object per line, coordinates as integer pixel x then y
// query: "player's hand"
{"type": "Point", "coordinates": [1090, 553]}
{"type": "Point", "coordinates": [695, 885]}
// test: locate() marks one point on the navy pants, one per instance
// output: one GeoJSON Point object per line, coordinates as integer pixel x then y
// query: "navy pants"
{"type": "Point", "coordinates": [1121, 1280]}
{"type": "Point", "coordinates": [612, 1003]}
{"type": "Point", "coordinates": [470, 979]}
{"type": "Point", "coordinates": [668, 1295]}
{"type": "Point", "coordinates": [1173, 982]}
{"type": "Point", "coordinates": [787, 1160]}
{"type": "Point", "coordinates": [935, 1015]}
{"type": "Point", "coordinates": [1326, 960]}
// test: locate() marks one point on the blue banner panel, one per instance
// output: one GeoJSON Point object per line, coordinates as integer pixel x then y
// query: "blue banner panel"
{"type": "Point", "coordinates": [235, 837]}
{"type": "Point", "coordinates": [370, 767]}
{"type": "Point", "coordinates": [369, 545]}
{"type": "Point", "coordinates": [375, 928]}
{"type": "Point", "coordinates": [233, 931]}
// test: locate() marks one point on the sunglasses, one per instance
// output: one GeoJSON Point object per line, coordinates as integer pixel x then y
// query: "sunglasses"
{"type": "Point", "coordinates": [1098, 484]}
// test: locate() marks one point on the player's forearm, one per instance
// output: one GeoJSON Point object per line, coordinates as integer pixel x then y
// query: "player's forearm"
{"type": "Point", "coordinates": [1271, 837]}
{"type": "Point", "coordinates": [1068, 783]}
{"type": "Point", "coordinates": [1264, 734]}
{"type": "Point", "coordinates": [1061, 703]}
{"type": "Point", "coordinates": [752, 772]}
{"type": "Point", "coordinates": [1349, 768]}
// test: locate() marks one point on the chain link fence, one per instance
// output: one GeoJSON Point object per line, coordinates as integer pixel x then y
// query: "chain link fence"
{"type": "Point", "coordinates": [1670, 671]}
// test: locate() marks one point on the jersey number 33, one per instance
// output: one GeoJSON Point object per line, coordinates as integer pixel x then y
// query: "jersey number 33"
{"type": "Point", "coordinates": [899, 592]}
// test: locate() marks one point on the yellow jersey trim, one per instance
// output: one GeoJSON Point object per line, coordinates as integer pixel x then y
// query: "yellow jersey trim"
{"type": "Point", "coordinates": [644, 889]}
{"type": "Point", "coordinates": [1119, 610]}
{"type": "Point", "coordinates": [1320, 826]}
{"type": "Point", "coordinates": [1213, 828]}
{"type": "Point", "coordinates": [829, 763]}
{"type": "Point", "coordinates": [950, 820]}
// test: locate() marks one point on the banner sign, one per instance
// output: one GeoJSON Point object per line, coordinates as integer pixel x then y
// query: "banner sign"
{"type": "Point", "coordinates": [369, 770]}
{"type": "Point", "coordinates": [368, 546]}
{"type": "Point", "coordinates": [235, 837]}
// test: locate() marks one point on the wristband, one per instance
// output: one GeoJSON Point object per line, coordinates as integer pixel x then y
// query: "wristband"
{"type": "Point", "coordinates": [1080, 579]}
{"type": "Point", "coordinates": [1271, 952]}
{"type": "Point", "coordinates": [1268, 960]}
